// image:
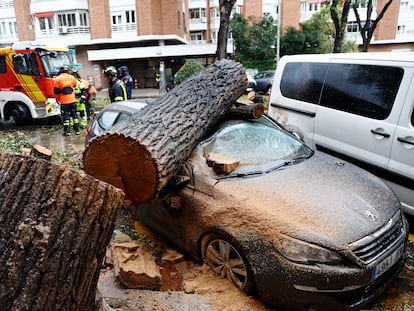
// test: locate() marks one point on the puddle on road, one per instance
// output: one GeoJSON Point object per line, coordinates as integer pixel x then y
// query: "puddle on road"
{"type": "Point", "coordinates": [50, 137]}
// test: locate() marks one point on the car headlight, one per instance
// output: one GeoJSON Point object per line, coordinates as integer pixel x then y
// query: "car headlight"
{"type": "Point", "coordinates": [307, 253]}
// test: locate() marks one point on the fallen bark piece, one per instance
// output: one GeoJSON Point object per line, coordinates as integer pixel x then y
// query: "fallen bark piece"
{"type": "Point", "coordinates": [172, 255]}
{"type": "Point", "coordinates": [143, 153]}
{"type": "Point", "coordinates": [135, 266]}
{"type": "Point", "coordinates": [55, 224]}
{"type": "Point", "coordinates": [41, 152]}
{"type": "Point", "coordinates": [221, 163]}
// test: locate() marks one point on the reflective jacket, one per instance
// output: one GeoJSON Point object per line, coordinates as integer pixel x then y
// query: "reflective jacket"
{"type": "Point", "coordinates": [117, 90]}
{"type": "Point", "coordinates": [63, 88]}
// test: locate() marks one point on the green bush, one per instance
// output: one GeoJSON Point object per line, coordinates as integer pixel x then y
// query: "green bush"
{"type": "Point", "coordinates": [189, 68]}
{"type": "Point", "coordinates": [14, 142]}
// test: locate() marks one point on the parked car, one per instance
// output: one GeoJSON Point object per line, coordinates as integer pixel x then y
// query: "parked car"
{"type": "Point", "coordinates": [264, 80]}
{"type": "Point", "coordinates": [356, 106]}
{"type": "Point", "coordinates": [300, 229]}
{"type": "Point", "coordinates": [112, 114]}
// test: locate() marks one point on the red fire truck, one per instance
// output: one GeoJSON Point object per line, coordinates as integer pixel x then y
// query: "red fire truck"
{"type": "Point", "coordinates": [27, 70]}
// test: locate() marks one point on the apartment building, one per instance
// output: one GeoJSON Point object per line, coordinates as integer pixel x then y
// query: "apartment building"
{"type": "Point", "coordinates": [144, 34]}
{"type": "Point", "coordinates": [141, 34]}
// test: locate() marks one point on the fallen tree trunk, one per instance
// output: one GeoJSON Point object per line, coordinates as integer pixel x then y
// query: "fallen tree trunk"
{"type": "Point", "coordinates": [141, 154]}
{"type": "Point", "coordinates": [55, 224]}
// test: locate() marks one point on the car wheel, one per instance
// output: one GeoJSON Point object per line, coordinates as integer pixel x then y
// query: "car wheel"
{"type": "Point", "coordinates": [228, 262]}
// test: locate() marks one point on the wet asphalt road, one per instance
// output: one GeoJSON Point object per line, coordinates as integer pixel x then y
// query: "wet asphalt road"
{"type": "Point", "coordinates": [400, 295]}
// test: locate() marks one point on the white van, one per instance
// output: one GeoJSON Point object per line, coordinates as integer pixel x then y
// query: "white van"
{"type": "Point", "coordinates": [356, 106]}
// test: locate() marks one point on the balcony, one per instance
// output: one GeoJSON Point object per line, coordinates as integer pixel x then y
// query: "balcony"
{"type": "Point", "coordinates": [39, 6]}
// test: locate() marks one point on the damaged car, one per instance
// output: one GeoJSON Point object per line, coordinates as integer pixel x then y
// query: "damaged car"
{"type": "Point", "coordinates": [296, 228]}
{"type": "Point", "coordinates": [299, 229]}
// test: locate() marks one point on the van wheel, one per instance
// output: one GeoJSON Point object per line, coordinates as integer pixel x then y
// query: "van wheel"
{"type": "Point", "coordinates": [20, 114]}
{"type": "Point", "coordinates": [228, 262]}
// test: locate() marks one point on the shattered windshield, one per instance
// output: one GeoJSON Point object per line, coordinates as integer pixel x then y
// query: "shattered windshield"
{"type": "Point", "coordinates": [53, 61]}
{"type": "Point", "coordinates": [255, 144]}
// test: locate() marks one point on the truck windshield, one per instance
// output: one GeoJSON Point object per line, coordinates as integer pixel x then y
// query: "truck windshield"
{"type": "Point", "coordinates": [53, 60]}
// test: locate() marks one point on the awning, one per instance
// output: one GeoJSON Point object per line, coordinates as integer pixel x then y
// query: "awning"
{"type": "Point", "coordinates": [181, 50]}
{"type": "Point", "coordinates": [44, 14]}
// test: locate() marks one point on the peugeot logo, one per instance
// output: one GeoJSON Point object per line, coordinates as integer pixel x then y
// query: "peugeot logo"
{"type": "Point", "coordinates": [370, 215]}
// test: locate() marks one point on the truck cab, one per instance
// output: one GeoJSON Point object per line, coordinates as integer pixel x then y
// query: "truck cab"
{"type": "Point", "coordinates": [27, 70]}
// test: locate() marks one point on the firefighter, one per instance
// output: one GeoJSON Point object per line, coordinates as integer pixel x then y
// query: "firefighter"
{"type": "Point", "coordinates": [63, 89]}
{"type": "Point", "coordinates": [157, 79]}
{"type": "Point", "coordinates": [126, 77]}
{"type": "Point", "coordinates": [91, 98]}
{"type": "Point", "coordinates": [117, 89]}
{"type": "Point", "coordinates": [81, 91]}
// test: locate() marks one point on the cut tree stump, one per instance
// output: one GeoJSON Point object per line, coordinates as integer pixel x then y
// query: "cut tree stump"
{"type": "Point", "coordinates": [143, 153]}
{"type": "Point", "coordinates": [55, 224]}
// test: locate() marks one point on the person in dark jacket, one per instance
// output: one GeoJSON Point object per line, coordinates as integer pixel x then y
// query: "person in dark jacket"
{"type": "Point", "coordinates": [117, 89]}
{"type": "Point", "coordinates": [126, 77]}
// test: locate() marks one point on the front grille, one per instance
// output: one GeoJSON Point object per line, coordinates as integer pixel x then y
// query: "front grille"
{"type": "Point", "coordinates": [373, 246]}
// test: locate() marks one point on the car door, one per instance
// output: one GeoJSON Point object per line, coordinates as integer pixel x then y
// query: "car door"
{"type": "Point", "coordinates": [402, 153]}
{"type": "Point", "coordinates": [358, 112]}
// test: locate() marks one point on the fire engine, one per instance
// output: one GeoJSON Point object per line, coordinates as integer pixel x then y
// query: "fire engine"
{"type": "Point", "coordinates": [27, 70]}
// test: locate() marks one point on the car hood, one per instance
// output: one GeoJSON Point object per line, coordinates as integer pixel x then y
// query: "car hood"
{"type": "Point", "coordinates": [322, 200]}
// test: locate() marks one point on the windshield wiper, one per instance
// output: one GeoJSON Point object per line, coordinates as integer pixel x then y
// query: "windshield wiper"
{"type": "Point", "coordinates": [257, 172]}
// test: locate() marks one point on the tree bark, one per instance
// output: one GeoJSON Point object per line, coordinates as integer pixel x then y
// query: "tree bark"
{"type": "Point", "coordinates": [141, 154]}
{"type": "Point", "coordinates": [244, 112]}
{"type": "Point", "coordinates": [55, 223]}
{"type": "Point", "coordinates": [226, 7]}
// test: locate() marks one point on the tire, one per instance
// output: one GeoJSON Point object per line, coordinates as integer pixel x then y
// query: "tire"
{"type": "Point", "coordinates": [20, 114]}
{"type": "Point", "coordinates": [225, 259]}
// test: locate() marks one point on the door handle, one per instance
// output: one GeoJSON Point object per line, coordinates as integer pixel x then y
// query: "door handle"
{"type": "Point", "coordinates": [386, 135]}
{"type": "Point", "coordinates": [403, 140]}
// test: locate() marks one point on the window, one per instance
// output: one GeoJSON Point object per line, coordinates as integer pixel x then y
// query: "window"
{"type": "Point", "coordinates": [8, 29]}
{"type": "Point", "coordinates": [124, 20]}
{"type": "Point", "coordinates": [352, 27]}
{"type": "Point", "coordinates": [25, 64]}
{"type": "Point", "coordinates": [68, 19]}
{"type": "Point", "coordinates": [400, 29]}
{"type": "Point", "coordinates": [365, 90]}
{"type": "Point", "coordinates": [46, 23]}
{"type": "Point", "coordinates": [3, 64]}
{"type": "Point", "coordinates": [303, 81]}
{"type": "Point", "coordinates": [75, 21]}
{"type": "Point", "coordinates": [196, 37]}
{"type": "Point", "coordinates": [197, 13]}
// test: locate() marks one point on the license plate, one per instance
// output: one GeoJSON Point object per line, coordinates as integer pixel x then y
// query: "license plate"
{"type": "Point", "coordinates": [388, 262]}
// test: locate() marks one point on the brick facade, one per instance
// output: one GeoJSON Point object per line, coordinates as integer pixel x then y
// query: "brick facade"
{"type": "Point", "coordinates": [24, 20]}
{"type": "Point", "coordinates": [99, 19]}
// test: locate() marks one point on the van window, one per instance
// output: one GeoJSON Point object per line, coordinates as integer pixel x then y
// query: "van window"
{"type": "Point", "coordinates": [303, 81]}
{"type": "Point", "coordinates": [365, 90]}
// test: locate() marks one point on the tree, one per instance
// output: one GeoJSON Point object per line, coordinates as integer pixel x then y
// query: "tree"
{"type": "Point", "coordinates": [316, 36]}
{"type": "Point", "coordinates": [189, 68]}
{"type": "Point", "coordinates": [254, 41]}
{"type": "Point", "coordinates": [319, 32]}
{"type": "Point", "coordinates": [292, 42]}
{"type": "Point", "coordinates": [367, 30]}
{"type": "Point", "coordinates": [144, 153]}
{"type": "Point", "coordinates": [55, 223]}
{"type": "Point", "coordinates": [340, 20]}
{"type": "Point", "coordinates": [226, 7]}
